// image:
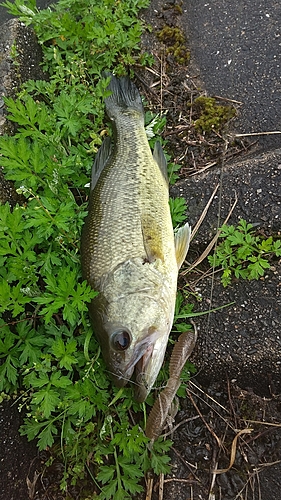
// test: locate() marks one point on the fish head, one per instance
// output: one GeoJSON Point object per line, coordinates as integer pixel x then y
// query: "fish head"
{"type": "Point", "coordinates": [133, 333]}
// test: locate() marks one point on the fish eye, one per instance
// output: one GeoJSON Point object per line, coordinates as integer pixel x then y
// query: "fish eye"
{"type": "Point", "coordinates": [121, 340]}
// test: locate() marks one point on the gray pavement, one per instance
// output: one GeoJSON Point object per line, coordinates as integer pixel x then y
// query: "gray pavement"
{"type": "Point", "coordinates": [242, 341]}
{"type": "Point", "coordinates": [237, 47]}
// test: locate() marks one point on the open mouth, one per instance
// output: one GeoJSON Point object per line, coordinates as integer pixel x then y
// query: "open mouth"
{"type": "Point", "coordinates": [139, 367]}
{"type": "Point", "coordinates": [136, 366]}
{"type": "Point", "coordinates": [139, 363]}
{"type": "Point", "coordinates": [141, 379]}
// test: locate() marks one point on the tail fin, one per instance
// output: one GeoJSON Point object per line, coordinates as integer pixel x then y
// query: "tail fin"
{"type": "Point", "coordinates": [125, 95]}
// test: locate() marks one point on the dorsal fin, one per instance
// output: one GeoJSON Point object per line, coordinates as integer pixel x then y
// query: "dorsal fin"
{"type": "Point", "coordinates": [100, 160]}
{"type": "Point", "coordinates": [160, 159]}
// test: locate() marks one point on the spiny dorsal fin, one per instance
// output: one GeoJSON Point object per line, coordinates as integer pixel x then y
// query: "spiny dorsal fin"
{"type": "Point", "coordinates": [100, 160]}
{"type": "Point", "coordinates": [182, 239]}
{"type": "Point", "coordinates": [160, 159]}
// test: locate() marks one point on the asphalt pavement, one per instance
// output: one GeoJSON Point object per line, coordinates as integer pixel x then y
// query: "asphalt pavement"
{"type": "Point", "coordinates": [236, 46]}
{"type": "Point", "coordinates": [236, 49]}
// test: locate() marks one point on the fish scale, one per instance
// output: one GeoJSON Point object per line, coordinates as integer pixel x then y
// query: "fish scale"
{"type": "Point", "coordinates": [122, 197]}
{"type": "Point", "coordinates": [128, 249]}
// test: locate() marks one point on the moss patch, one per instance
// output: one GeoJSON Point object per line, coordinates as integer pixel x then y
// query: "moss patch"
{"type": "Point", "coordinates": [174, 39]}
{"type": "Point", "coordinates": [212, 116]}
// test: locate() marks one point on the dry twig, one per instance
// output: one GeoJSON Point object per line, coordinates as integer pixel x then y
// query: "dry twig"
{"type": "Point", "coordinates": [233, 451]}
{"type": "Point", "coordinates": [212, 243]}
{"type": "Point", "coordinates": [203, 419]}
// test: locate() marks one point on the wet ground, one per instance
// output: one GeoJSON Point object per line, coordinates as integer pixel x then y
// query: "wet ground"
{"type": "Point", "coordinates": [237, 387]}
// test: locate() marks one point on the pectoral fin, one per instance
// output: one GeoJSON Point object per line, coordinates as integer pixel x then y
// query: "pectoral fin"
{"type": "Point", "coordinates": [182, 239]}
{"type": "Point", "coordinates": [151, 239]}
{"type": "Point", "coordinates": [100, 160]}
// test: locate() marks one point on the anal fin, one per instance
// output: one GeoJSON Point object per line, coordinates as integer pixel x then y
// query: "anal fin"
{"type": "Point", "coordinates": [160, 159]}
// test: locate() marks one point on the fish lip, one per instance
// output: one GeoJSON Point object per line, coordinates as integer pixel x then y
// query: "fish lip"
{"type": "Point", "coordinates": [144, 351]}
{"type": "Point", "coordinates": [139, 360]}
{"type": "Point", "coordinates": [136, 367]}
{"type": "Point", "coordinates": [142, 354]}
{"type": "Point", "coordinates": [141, 385]}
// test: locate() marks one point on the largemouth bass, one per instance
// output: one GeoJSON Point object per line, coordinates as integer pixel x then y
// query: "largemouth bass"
{"type": "Point", "coordinates": [129, 252]}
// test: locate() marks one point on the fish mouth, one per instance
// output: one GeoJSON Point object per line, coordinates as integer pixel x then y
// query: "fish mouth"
{"type": "Point", "coordinates": [140, 367]}
{"type": "Point", "coordinates": [142, 387]}
{"type": "Point", "coordinates": [137, 370]}
{"type": "Point", "coordinates": [136, 367]}
{"type": "Point", "coordinates": [140, 361]}
{"type": "Point", "coordinates": [140, 370]}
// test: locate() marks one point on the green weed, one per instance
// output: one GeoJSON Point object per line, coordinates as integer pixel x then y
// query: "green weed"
{"type": "Point", "coordinates": [242, 253]}
{"type": "Point", "coordinates": [178, 209]}
{"type": "Point", "coordinates": [82, 37]}
{"type": "Point", "coordinates": [48, 355]}
{"type": "Point", "coordinates": [174, 39]}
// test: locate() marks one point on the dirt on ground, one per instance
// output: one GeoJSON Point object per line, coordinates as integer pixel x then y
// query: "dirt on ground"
{"type": "Point", "coordinates": [227, 433]}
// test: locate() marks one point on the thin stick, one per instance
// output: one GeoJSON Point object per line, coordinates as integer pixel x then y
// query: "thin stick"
{"type": "Point", "coordinates": [212, 243]}
{"type": "Point", "coordinates": [227, 99]}
{"type": "Point", "coordinates": [163, 436]}
{"type": "Point", "coordinates": [269, 464]}
{"type": "Point", "coordinates": [231, 403]}
{"type": "Point", "coordinates": [149, 488]}
{"type": "Point", "coordinates": [263, 423]}
{"type": "Point", "coordinates": [214, 409]}
{"type": "Point", "coordinates": [203, 419]}
{"type": "Point", "coordinates": [203, 215]}
{"type": "Point", "coordinates": [178, 480]}
{"type": "Point", "coordinates": [274, 132]}
{"type": "Point", "coordinates": [213, 476]}
{"type": "Point", "coordinates": [209, 165]}
{"type": "Point", "coordinates": [161, 486]}
{"type": "Point", "coordinates": [208, 396]}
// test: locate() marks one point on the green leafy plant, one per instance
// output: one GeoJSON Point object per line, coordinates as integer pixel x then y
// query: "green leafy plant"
{"type": "Point", "coordinates": [242, 253]}
{"type": "Point", "coordinates": [48, 355]}
{"type": "Point", "coordinates": [178, 210]}
{"type": "Point", "coordinates": [82, 37]}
